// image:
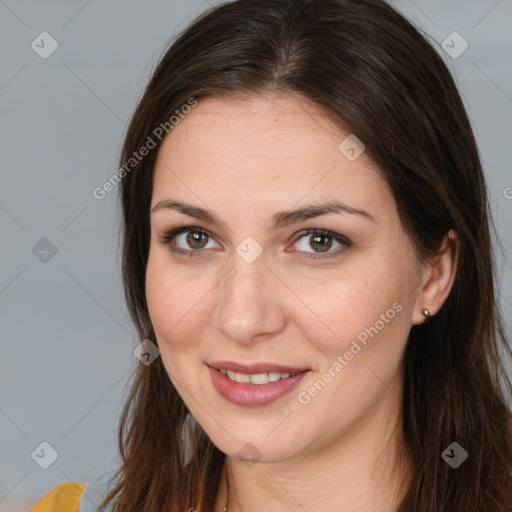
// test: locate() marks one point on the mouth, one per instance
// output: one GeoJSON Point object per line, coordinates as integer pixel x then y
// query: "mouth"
{"type": "Point", "coordinates": [256, 373]}
{"type": "Point", "coordinates": [256, 378]}
{"type": "Point", "coordinates": [254, 385]}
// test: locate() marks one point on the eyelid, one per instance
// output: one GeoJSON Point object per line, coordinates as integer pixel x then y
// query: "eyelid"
{"type": "Point", "coordinates": [342, 240]}
{"type": "Point", "coordinates": [169, 236]}
{"type": "Point", "coordinates": [326, 232]}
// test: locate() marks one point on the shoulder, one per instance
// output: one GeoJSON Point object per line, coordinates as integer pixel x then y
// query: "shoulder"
{"type": "Point", "coordinates": [63, 498]}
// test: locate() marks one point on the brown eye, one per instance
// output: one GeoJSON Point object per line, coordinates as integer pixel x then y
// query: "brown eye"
{"type": "Point", "coordinates": [196, 240]}
{"type": "Point", "coordinates": [188, 240]}
{"type": "Point", "coordinates": [321, 242]}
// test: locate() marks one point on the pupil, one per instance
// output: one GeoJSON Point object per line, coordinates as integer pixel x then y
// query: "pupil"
{"type": "Point", "coordinates": [195, 238]}
{"type": "Point", "coordinates": [323, 247]}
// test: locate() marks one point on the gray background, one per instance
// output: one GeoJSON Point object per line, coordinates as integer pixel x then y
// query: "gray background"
{"type": "Point", "coordinates": [67, 340]}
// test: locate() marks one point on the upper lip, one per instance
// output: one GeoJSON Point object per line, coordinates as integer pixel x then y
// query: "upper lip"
{"type": "Point", "coordinates": [262, 367]}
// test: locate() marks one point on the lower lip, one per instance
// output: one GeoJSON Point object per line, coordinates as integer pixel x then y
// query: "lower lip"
{"type": "Point", "coordinates": [253, 394]}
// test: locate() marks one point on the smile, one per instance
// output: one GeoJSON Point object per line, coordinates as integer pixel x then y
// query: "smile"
{"type": "Point", "coordinates": [254, 389]}
{"type": "Point", "coordinates": [255, 378]}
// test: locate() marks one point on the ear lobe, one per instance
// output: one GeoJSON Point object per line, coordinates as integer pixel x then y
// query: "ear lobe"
{"type": "Point", "coordinates": [438, 278]}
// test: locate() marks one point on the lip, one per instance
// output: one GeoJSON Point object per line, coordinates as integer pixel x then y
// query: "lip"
{"type": "Point", "coordinates": [254, 395]}
{"type": "Point", "coordinates": [255, 367]}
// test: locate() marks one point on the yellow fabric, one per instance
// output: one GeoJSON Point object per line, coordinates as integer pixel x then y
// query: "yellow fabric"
{"type": "Point", "coordinates": [63, 498]}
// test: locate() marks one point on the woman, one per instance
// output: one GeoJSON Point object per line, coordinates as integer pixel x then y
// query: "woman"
{"type": "Point", "coordinates": [307, 240]}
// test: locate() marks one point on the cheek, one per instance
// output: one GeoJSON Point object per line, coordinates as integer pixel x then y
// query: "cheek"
{"type": "Point", "coordinates": [359, 355]}
{"type": "Point", "coordinates": [176, 303]}
{"type": "Point", "coordinates": [360, 306]}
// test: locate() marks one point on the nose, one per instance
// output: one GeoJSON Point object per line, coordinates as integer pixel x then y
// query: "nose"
{"type": "Point", "coordinates": [250, 302]}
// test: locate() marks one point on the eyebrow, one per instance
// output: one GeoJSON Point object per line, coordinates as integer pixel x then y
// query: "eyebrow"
{"type": "Point", "coordinates": [279, 219]}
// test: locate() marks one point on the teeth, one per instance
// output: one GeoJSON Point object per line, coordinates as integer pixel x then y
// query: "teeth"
{"type": "Point", "coordinates": [242, 377]}
{"type": "Point", "coordinates": [259, 378]}
{"type": "Point", "coordinates": [254, 378]}
{"type": "Point", "coordinates": [273, 376]}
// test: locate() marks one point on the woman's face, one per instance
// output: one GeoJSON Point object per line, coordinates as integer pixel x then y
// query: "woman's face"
{"type": "Point", "coordinates": [249, 283]}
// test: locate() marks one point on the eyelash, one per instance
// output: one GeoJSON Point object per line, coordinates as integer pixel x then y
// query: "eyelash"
{"type": "Point", "coordinates": [168, 237]}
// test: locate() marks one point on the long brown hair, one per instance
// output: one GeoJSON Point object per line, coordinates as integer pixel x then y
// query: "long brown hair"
{"type": "Point", "coordinates": [370, 70]}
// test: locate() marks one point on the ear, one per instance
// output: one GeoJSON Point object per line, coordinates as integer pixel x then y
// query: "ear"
{"type": "Point", "coordinates": [438, 277]}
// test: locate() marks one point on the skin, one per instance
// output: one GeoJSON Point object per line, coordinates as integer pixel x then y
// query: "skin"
{"type": "Point", "coordinates": [246, 159]}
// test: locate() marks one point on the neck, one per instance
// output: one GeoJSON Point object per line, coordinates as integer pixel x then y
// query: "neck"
{"type": "Point", "coordinates": [367, 470]}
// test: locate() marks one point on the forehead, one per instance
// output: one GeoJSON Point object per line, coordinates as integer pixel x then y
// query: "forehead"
{"type": "Point", "coordinates": [254, 127]}
{"type": "Point", "coordinates": [263, 149]}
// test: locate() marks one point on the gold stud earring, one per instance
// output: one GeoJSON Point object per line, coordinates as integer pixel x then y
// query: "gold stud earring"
{"type": "Point", "coordinates": [425, 312]}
